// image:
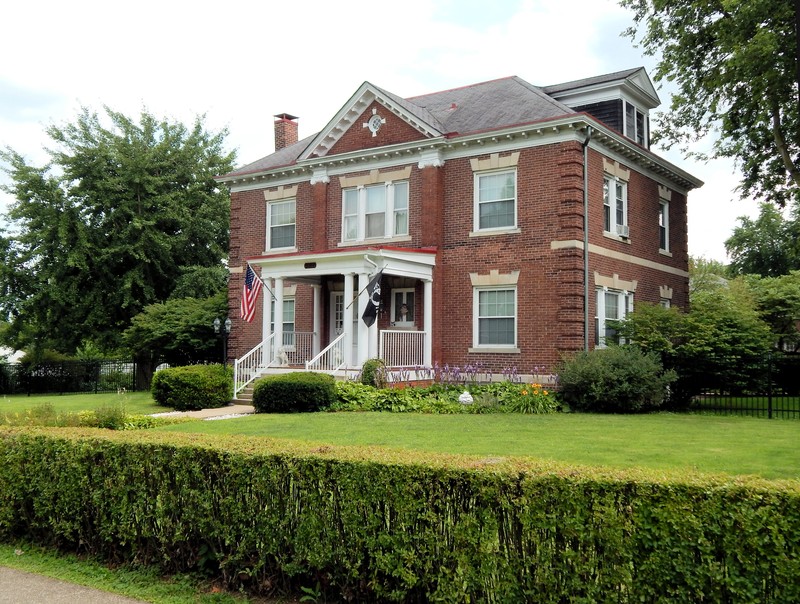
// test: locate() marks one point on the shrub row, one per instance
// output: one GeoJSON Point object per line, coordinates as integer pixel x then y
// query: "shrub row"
{"type": "Point", "coordinates": [393, 526]}
{"type": "Point", "coordinates": [497, 397]}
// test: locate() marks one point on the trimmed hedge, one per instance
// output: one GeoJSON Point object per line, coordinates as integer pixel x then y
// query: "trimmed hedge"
{"type": "Point", "coordinates": [193, 387]}
{"type": "Point", "coordinates": [299, 391]}
{"type": "Point", "coordinates": [373, 525]}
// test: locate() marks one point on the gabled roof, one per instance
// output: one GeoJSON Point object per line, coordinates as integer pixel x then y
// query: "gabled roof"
{"type": "Point", "coordinates": [490, 105]}
{"type": "Point", "coordinates": [635, 82]}
{"type": "Point", "coordinates": [482, 107]}
{"type": "Point", "coordinates": [479, 107]}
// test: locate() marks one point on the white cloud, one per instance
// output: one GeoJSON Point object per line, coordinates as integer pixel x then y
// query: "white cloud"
{"type": "Point", "coordinates": [240, 62]}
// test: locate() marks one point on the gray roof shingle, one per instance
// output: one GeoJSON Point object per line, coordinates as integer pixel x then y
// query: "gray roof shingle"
{"type": "Point", "coordinates": [485, 106]}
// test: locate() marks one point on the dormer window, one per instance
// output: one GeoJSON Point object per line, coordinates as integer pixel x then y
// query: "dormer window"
{"type": "Point", "coordinates": [635, 124]}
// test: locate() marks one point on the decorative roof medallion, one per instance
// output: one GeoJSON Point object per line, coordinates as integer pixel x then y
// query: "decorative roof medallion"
{"type": "Point", "coordinates": [375, 122]}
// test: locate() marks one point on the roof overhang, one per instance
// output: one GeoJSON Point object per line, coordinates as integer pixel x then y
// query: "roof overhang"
{"type": "Point", "coordinates": [312, 266]}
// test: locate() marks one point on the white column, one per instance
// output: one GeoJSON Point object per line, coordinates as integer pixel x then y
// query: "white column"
{"type": "Point", "coordinates": [363, 330]}
{"type": "Point", "coordinates": [317, 289]}
{"type": "Point", "coordinates": [347, 319]}
{"type": "Point", "coordinates": [278, 318]}
{"type": "Point", "coordinates": [372, 330]}
{"type": "Point", "coordinates": [427, 322]}
{"type": "Point", "coordinates": [266, 320]}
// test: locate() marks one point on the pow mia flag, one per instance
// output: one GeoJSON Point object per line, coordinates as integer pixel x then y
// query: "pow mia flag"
{"type": "Point", "coordinates": [374, 293]}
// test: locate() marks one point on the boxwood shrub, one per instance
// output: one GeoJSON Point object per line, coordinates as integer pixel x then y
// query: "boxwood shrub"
{"type": "Point", "coordinates": [298, 391]}
{"type": "Point", "coordinates": [193, 387]}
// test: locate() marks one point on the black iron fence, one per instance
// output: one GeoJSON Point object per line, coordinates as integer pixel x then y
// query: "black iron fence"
{"type": "Point", "coordinates": [68, 376]}
{"type": "Point", "coordinates": [767, 386]}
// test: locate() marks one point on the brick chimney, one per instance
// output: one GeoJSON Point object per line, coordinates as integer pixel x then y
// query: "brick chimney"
{"type": "Point", "coordinates": [285, 130]}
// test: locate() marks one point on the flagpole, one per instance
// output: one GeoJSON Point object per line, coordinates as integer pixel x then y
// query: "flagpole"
{"type": "Point", "coordinates": [257, 276]}
{"type": "Point", "coordinates": [355, 298]}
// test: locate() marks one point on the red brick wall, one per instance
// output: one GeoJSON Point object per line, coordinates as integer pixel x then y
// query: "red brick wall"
{"type": "Point", "coordinates": [394, 131]}
{"type": "Point", "coordinates": [550, 286]}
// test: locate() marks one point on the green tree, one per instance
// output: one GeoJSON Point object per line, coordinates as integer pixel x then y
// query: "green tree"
{"type": "Point", "coordinates": [768, 246]}
{"type": "Point", "coordinates": [723, 335]}
{"type": "Point", "coordinates": [178, 331]}
{"type": "Point", "coordinates": [108, 226]}
{"type": "Point", "coordinates": [734, 63]}
{"type": "Point", "coordinates": [778, 303]}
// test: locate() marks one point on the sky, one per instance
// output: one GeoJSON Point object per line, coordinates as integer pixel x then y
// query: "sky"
{"type": "Point", "coordinates": [239, 63]}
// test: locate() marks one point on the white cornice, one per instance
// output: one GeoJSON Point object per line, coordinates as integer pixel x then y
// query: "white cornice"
{"type": "Point", "coordinates": [568, 128]}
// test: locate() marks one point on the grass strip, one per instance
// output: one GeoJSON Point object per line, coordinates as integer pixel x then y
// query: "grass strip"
{"type": "Point", "coordinates": [138, 583]}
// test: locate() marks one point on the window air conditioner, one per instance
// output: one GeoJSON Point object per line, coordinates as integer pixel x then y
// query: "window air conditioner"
{"type": "Point", "coordinates": [622, 230]}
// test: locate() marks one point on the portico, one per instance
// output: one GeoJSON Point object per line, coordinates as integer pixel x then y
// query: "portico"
{"type": "Point", "coordinates": [338, 280]}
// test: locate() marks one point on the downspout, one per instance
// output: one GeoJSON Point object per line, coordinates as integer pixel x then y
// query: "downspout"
{"type": "Point", "coordinates": [589, 132]}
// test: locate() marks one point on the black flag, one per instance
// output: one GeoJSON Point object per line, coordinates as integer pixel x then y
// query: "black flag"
{"type": "Point", "coordinates": [374, 293]}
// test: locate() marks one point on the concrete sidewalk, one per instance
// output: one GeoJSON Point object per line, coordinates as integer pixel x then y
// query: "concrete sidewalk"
{"type": "Point", "coordinates": [19, 587]}
{"type": "Point", "coordinates": [221, 412]}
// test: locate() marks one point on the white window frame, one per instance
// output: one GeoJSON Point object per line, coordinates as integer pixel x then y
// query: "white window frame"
{"type": "Point", "coordinates": [478, 346]}
{"type": "Point", "coordinates": [286, 302]}
{"type": "Point", "coordinates": [638, 135]}
{"type": "Point", "coordinates": [477, 201]}
{"type": "Point", "coordinates": [663, 225]}
{"type": "Point", "coordinates": [272, 205]}
{"type": "Point", "coordinates": [624, 307]}
{"type": "Point", "coordinates": [391, 210]}
{"type": "Point", "coordinates": [610, 224]}
{"type": "Point", "coordinates": [407, 293]}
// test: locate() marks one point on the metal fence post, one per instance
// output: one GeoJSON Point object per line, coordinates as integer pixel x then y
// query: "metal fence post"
{"type": "Point", "coordinates": [769, 385]}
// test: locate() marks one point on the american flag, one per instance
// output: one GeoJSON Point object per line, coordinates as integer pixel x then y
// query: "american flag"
{"type": "Point", "coordinates": [250, 289]}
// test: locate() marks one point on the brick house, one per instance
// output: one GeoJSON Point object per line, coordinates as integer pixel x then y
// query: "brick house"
{"type": "Point", "coordinates": [510, 223]}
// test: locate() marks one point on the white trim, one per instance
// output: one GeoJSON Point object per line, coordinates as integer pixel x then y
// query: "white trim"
{"type": "Point", "coordinates": [610, 201]}
{"type": "Point", "coordinates": [270, 205]}
{"type": "Point", "coordinates": [477, 176]}
{"type": "Point", "coordinates": [498, 348]}
{"type": "Point", "coordinates": [663, 216]}
{"type": "Point", "coordinates": [360, 195]}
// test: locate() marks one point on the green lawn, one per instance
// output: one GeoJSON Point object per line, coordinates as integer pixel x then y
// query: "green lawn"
{"type": "Point", "coordinates": [733, 445]}
{"type": "Point", "coordinates": [135, 402]}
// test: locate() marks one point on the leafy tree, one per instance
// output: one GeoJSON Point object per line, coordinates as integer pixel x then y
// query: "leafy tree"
{"type": "Point", "coordinates": [200, 282]}
{"type": "Point", "coordinates": [768, 246]}
{"type": "Point", "coordinates": [722, 335]}
{"type": "Point", "coordinates": [778, 303]}
{"type": "Point", "coordinates": [734, 63]}
{"type": "Point", "coordinates": [706, 275]}
{"type": "Point", "coordinates": [109, 226]}
{"type": "Point", "coordinates": [177, 331]}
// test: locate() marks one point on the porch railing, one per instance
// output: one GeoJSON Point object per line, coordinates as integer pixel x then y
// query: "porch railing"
{"type": "Point", "coordinates": [297, 348]}
{"type": "Point", "coordinates": [399, 348]}
{"type": "Point", "coordinates": [330, 359]}
{"type": "Point", "coordinates": [252, 364]}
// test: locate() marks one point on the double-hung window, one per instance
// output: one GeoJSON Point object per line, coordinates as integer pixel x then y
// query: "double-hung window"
{"type": "Point", "coordinates": [287, 323]}
{"type": "Point", "coordinates": [612, 305]}
{"type": "Point", "coordinates": [377, 211]}
{"type": "Point", "coordinates": [281, 223]}
{"type": "Point", "coordinates": [635, 124]}
{"type": "Point", "coordinates": [495, 312]}
{"type": "Point", "coordinates": [495, 200]}
{"type": "Point", "coordinates": [663, 225]}
{"type": "Point", "coordinates": [615, 206]}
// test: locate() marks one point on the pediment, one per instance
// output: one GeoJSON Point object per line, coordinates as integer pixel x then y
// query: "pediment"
{"type": "Point", "coordinates": [356, 114]}
{"type": "Point", "coordinates": [641, 81]}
